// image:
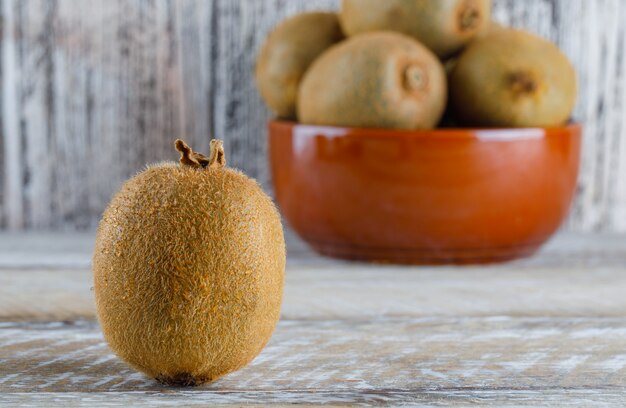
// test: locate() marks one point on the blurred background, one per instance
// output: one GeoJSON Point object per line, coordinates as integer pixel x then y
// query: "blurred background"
{"type": "Point", "coordinates": [93, 90]}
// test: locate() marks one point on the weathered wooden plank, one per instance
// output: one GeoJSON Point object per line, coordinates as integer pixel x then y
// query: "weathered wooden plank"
{"type": "Point", "coordinates": [45, 250]}
{"type": "Point", "coordinates": [12, 201]}
{"type": "Point", "coordinates": [73, 250]}
{"type": "Point", "coordinates": [47, 277]}
{"type": "Point", "coordinates": [357, 358]}
{"type": "Point", "coordinates": [99, 90]}
{"type": "Point", "coordinates": [2, 128]}
{"type": "Point", "coordinates": [2, 209]}
{"type": "Point", "coordinates": [285, 398]}
{"type": "Point", "coordinates": [46, 295]}
{"type": "Point", "coordinates": [351, 292]}
{"type": "Point", "coordinates": [338, 292]}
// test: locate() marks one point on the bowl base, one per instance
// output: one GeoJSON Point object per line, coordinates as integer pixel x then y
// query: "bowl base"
{"type": "Point", "coordinates": [423, 256]}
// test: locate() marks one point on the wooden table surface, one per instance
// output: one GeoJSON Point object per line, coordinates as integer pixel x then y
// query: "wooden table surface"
{"type": "Point", "coordinates": [550, 330]}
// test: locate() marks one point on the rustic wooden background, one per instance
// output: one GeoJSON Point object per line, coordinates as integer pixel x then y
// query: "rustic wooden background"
{"type": "Point", "coordinates": [92, 90]}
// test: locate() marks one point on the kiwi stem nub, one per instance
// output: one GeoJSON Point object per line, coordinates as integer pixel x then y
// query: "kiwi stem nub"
{"type": "Point", "coordinates": [190, 158]}
{"type": "Point", "coordinates": [523, 82]}
{"type": "Point", "coordinates": [414, 78]}
{"type": "Point", "coordinates": [470, 17]}
{"type": "Point", "coordinates": [217, 157]}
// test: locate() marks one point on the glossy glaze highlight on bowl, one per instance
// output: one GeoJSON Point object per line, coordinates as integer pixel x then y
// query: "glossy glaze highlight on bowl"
{"type": "Point", "coordinates": [424, 197]}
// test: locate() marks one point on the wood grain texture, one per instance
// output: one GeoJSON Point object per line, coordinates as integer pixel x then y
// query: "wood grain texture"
{"type": "Point", "coordinates": [422, 398]}
{"type": "Point", "coordinates": [545, 331]}
{"type": "Point", "coordinates": [2, 119]}
{"type": "Point", "coordinates": [47, 277]}
{"type": "Point", "coordinates": [96, 91]}
{"type": "Point", "coordinates": [342, 291]}
{"type": "Point", "coordinates": [587, 398]}
{"type": "Point", "coordinates": [350, 292]}
{"type": "Point", "coordinates": [391, 361]}
{"type": "Point", "coordinates": [92, 91]}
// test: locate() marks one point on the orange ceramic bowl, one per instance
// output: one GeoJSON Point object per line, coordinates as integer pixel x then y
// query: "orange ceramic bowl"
{"type": "Point", "coordinates": [424, 197]}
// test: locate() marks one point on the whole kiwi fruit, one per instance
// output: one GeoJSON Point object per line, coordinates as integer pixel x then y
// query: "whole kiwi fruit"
{"type": "Point", "coordinates": [512, 78]}
{"type": "Point", "coordinates": [188, 269]}
{"type": "Point", "coordinates": [444, 26]}
{"type": "Point", "coordinates": [287, 53]}
{"type": "Point", "coordinates": [379, 80]}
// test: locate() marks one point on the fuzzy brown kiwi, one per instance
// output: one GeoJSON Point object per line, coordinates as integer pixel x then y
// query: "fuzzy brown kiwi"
{"type": "Point", "coordinates": [513, 78]}
{"type": "Point", "coordinates": [380, 80]}
{"type": "Point", "coordinates": [444, 26]}
{"type": "Point", "coordinates": [287, 53]}
{"type": "Point", "coordinates": [188, 269]}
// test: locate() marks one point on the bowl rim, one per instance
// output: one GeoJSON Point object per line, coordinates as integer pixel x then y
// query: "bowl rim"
{"type": "Point", "coordinates": [470, 133]}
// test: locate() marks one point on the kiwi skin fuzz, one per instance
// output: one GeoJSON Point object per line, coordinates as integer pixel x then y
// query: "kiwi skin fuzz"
{"type": "Point", "coordinates": [286, 55]}
{"type": "Point", "coordinates": [513, 78]}
{"type": "Point", "coordinates": [444, 26]}
{"type": "Point", "coordinates": [375, 80]}
{"type": "Point", "coordinates": [188, 272]}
